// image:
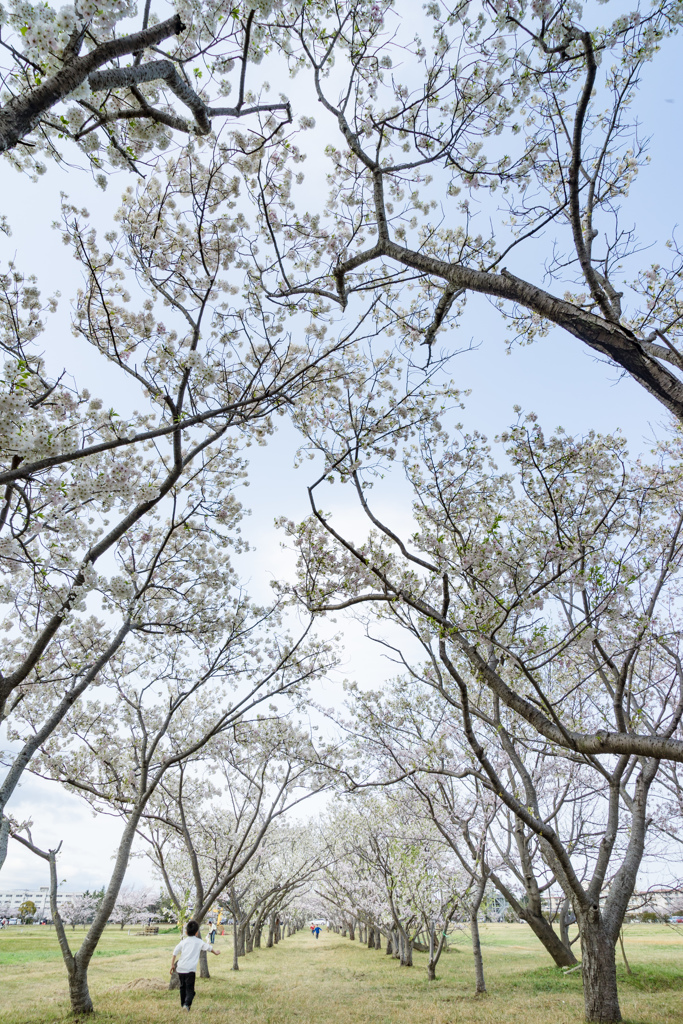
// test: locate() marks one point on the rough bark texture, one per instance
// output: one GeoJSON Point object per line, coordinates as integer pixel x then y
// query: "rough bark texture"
{"type": "Point", "coordinates": [79, 994]}
{"type": "Point", "coordinates": [22, 113]}
{"type": "Point", "coordinates": [599, 971]}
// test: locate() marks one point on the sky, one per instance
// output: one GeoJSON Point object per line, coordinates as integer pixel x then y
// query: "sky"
{"type": "Point", "coordinates": [557, 378]}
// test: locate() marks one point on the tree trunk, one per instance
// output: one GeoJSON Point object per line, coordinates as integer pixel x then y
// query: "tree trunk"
{"type": "Point", "coordinates": [599, 972]}
{"type": "Point", "coordinates": [235, 962]}
{"type": "Point", "coordinates": [77, 966]}
{"type": "Point", "coordinates": [371, 937]}
{"type": "Point", "coordinates": [390, 946]}
{"type": "Point", "coordinates": [476, 944]}
{"type": "Point", "coordinates": [564, 921]}
{"type": "Point", "coordinates": [559, 950]}
{"type": "Point", "coordinates": [396, 944]}
{"type": "Point", "coordinates": [431, 963]}
{"type": "Point", "coordinates": [249, 938]}
{"type": "Point", "coordinates": [204, 964]}
{"type": "Point", "coordinates": [405, 949]}
{"type": "Point", "coordinates": [79, 995]}
{"type": "Point", "coordinates": [476, 952]}
{"type": "Point", "coordinates": [352, 932]}
{"type": "Point", "coordinates": [378, 939]}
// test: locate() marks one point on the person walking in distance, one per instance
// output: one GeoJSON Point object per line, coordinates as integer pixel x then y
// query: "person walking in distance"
{"type": "Point", "coordinates": [185, 959]}
{"type": "Point", "coordinates": [316, 931]}
{"type": "Point", "coordinates": [212, 932]}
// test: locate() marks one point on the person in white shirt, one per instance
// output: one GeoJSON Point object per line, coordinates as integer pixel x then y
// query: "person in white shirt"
{"type": "Point", "coordinates": [185, 959]}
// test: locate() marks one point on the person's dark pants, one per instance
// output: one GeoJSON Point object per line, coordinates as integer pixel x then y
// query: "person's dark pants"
{"type": "Point", "coordinates": [186, 988]}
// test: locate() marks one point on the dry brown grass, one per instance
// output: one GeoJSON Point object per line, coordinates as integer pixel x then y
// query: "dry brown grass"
{"type": "Point", "coordinates": [334, 981]}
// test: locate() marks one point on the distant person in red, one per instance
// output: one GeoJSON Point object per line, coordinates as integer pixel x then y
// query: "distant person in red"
{"type": "Point", "coordinates": [316, 931]}
{"type": "Point", "coordinates": [312, 927]}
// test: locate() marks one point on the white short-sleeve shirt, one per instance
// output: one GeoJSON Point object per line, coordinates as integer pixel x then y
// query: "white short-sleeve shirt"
{"type": "Point", "coordinates": [187, 951]}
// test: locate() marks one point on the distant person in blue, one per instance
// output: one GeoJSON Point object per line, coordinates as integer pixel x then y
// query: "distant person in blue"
{"type": "Point", "coordinates": [186, 956]}
{"type": "Point", "coordinates": [316, 931]}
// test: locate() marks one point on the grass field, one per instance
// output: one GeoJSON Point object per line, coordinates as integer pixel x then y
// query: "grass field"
{"type": "Point", "coordinates": [335, 981]}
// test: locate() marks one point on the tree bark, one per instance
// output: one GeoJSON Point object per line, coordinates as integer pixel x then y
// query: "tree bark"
{"type": "Point", "coordinates": [476, 943]}
{"type": "Point", "coordinates": [4, 838]}
{"type": "Point", "coordinates": [476, 952]}
{"type": "Point", "coordinates": [544, 931]}
{"type": "Point", "coordinates": [77, 965]}
{"type": "Point", "coordinates": [564, 922]}
{"type": "Point", "coordinates": [599, 970]}
{"type": "Point", "coordinates": [235, 962]}
{"type": "Point", "coordinates": [79, 994]}
{"type": "Point", "coordinates": [23, 111]}
{"type": "Point", "coordinates": [204, 964]}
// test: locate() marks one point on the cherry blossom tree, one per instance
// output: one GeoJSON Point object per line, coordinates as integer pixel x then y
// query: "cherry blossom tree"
{"type": "Point", "coordinates": [271, 885]}
{"type": "Point", "coordinates": [121, 83]}
{"type": "Point", "coordinates": [102, 514]}
{"type": "Point", "coordinates": [507, 122]}
{"type": "Point", "coordinates": [549, 599]}
{"type": "Point", "coordinates": [132, 904]}
{"type": "Point", "coordinates": [209, 834]}
{"type": "Point", "coordinates": [404, 735]}
{"type": "Point", "coordinates": [161, 702]}
{"type": "Point", "coordinates": [391, 872]}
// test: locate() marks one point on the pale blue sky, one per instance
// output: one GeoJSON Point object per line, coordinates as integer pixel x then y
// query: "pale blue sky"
{"type": "Point", "coordinates": [558, 378]}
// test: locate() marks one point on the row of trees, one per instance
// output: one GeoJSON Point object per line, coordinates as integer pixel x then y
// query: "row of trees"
{"type": "Point", "coordinates": [534, 611]}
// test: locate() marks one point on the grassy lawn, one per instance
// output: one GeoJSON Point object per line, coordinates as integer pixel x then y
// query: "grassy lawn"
{"type": "Point", "coordinates": [334, 981]}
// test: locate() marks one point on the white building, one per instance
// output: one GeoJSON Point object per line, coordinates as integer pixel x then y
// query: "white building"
{"type": "Point", "coordinates": [11, 900]}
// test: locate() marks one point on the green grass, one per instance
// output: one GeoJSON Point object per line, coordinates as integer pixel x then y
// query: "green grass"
{"type": "Point", "coordinates": [334, 981]}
